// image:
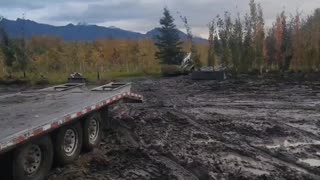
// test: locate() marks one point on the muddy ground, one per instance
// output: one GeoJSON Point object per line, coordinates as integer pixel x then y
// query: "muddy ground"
{"type": "Point", "coordinates": [236, 129]}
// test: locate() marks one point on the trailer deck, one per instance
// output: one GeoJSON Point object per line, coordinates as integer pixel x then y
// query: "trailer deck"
{"type": "Point", "coordinates": [28, 114]}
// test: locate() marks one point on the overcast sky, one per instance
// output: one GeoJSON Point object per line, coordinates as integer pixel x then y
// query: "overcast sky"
{"type": "Point", "coordinates": [143, 15]}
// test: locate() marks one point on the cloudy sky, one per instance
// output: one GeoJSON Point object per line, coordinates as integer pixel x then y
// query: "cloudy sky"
{"type": "Point", "coordinates": [143, 15]}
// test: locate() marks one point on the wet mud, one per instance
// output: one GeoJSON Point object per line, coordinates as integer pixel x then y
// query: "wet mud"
{"type": "Point", "coordinates": [235, 129]}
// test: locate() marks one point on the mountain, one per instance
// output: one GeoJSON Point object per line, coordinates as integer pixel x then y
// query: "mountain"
{"type": "Point", "coordinates": [156, 31]}
{"type": "Point", "coordinates": [69, 32]}
{"type": "Point", "coordinates": [72, 32]}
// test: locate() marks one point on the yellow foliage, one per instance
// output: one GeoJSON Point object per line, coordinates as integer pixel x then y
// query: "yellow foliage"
{"type": "Point", "coordinates": [54, 59]}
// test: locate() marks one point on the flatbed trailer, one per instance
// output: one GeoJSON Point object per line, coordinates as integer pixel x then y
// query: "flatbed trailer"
{"type": "Point", "coordinates": [38, 128]}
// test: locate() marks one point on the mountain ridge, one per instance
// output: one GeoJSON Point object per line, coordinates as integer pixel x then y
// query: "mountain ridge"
{"type": "Point", "coordinates": [79, 32]}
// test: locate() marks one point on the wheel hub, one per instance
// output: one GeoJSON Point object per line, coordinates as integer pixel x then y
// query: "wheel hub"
{"type": "Point", "coordinates": [70, 142]}
{"type": "Point", "coordinates": [93, 130]}
{"type": "Point", "coordinates": [32, 160]}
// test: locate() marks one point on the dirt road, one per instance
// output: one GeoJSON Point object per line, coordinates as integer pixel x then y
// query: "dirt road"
{"type": "Point", "coordinates": [236, 129]}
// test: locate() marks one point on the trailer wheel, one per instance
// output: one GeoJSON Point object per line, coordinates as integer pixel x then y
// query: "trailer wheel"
{"type": "Point", "coordinates": [68, 143]}
{"type": "Point", "coordinates": [92, 131]}
{"type": "Point", "coordinates": [33, 160]}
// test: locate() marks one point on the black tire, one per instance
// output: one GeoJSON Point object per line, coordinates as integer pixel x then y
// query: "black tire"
{"type": "Point", "coordinates": [90, 140]}
{"type": "Point", "coordinates": [21, 166]}
{"type": "Point", "coordinates": [67, 154]}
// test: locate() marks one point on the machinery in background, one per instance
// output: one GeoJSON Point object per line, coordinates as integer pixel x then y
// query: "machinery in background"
{"type": "Point", "coordinates": [76, 78]}
{"type": "Point", "coordinates": [204, 73]}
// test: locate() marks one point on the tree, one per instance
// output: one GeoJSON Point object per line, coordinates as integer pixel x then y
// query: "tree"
{"type": "Point", "coordinates": [168, 41]}
{"type": "Point", "coordinates": [311, 41]}
{"type": "Point", "coordinates": [296, 43]}
{"type": "Point", "coordinates": [259, 39]}
{"type": "Point", "coordinates": [248, 51]}
{"type": "Point", "coordinates": [21, 50]}
{"type": "Point", "coordinates": [253, 15]}
{"type": "Point", "coordinates": [8, 51]}
{"type": "Point", "coordinates": [270, 46]}
{"type": "Point", "coordinates": [21, 55]}
{"type": "Point", "coordinates": [211, 54]}
{"type": "Point", "coordinates": [279, 37]}
{"type": "Point", "coordinates": [195, 56]}
{"type": "Point", "coordinates": [134, 54]}
{"type": "Point", "coordinates": [235, 43]}
{"type": "Point", "coordinates": [216, 41]}
{"type": "Point", "coordinates": [224, 31]}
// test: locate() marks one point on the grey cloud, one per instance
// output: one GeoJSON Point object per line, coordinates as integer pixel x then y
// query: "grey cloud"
{"type": "Point", "coordinates": [199, 13]}
{"type": "Point", "coordinates": [33, 4]}
{"type": "Point", "coordinates": [142, 15]}
{"type": "Point", "coordinates": [106, 11]}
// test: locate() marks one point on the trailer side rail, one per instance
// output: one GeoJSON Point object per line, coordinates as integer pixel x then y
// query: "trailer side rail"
{"type": "Point", "coordinates": [13, 140]}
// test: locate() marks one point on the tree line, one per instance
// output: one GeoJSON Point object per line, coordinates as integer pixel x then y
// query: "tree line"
{"type": "Point", "coordinates": [245, 44]}
{"type": "Point", "coordinates": [44, 55]}
{"type": "Point", "coordinates": [239, 44]}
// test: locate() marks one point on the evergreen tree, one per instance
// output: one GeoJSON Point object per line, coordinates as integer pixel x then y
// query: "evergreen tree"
{"type": "Point", "coordinates": [168, 41]}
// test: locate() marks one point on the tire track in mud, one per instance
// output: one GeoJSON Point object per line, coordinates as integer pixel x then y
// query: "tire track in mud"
{"type": "Point", "coordinates": [166, 158]}
{"type": "Point", "coordinates": [177, 171]}
{"type": "Point", "coordinates": [265, 153]}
